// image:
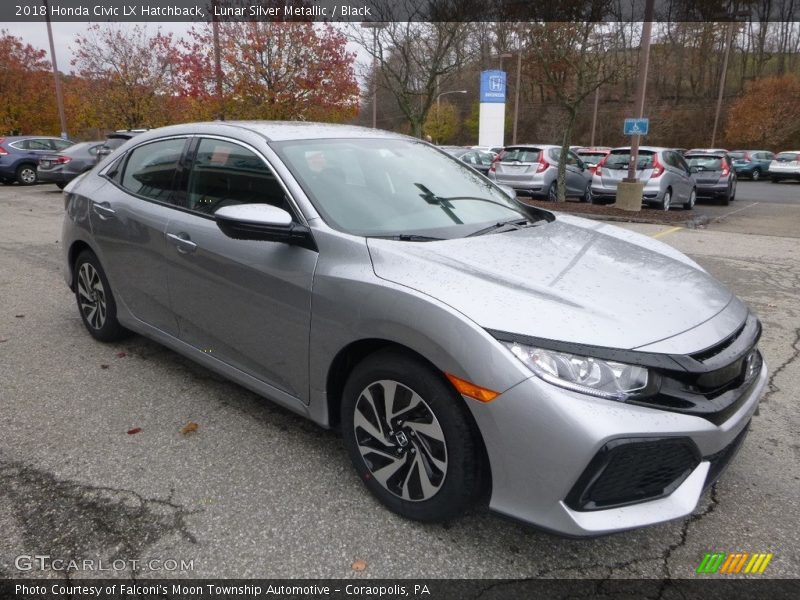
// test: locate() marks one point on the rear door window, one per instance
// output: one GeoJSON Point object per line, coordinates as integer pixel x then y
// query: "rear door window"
{"type": "Point", "coordinates": [786, 156]}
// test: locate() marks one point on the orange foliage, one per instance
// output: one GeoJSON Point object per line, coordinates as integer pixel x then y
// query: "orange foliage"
{"type": "Point", "coordinates": [766, 115]}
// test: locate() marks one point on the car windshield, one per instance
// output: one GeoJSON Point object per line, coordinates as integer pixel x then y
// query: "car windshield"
{"type": "Point", "coordinates": [527, 155]}
{"type": "Point", "coordinates": [786, 157]}
{"type": "Point", "coordinates": [705, 163]}
{"type": "Point", "coordinates": [394, 187]}
{"type": "Point", "coordinates": [620, 159]}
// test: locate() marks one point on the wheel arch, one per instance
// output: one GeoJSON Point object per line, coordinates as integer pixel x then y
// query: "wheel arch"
{"type": "Point", "coordinates": [75, 249]}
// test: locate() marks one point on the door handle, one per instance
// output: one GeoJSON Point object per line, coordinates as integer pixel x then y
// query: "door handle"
{"type": "Point", "coordinates": [103, 210]}
{"type": "Point", "coordinates": [182, 242]}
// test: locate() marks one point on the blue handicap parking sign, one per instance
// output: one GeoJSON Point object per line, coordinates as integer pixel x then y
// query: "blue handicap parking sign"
{"type": "Point", "coordinates": [636, 126]}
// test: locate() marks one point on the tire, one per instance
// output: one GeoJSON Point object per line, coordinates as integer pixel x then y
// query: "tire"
{"type": "Point", "coordinates": [666, 201]}
{"type": "Point", "coordinates": [756, 174]}
{"type": "Point", "coordinates": [95, 300]}
{"type": "Point", "coordinates": [390, 462]}
{"type": "Point", "coordinates": [733, 190]}
{"type": "Point", "coordinates": [587, 195]}
{"type": "Point", "coordinates": [692, 199]}
{"type": "Point", "coordinates": [552, 192]}
{"type": "Point", "coordinates": [726, 199]}
{"type": "Point", "coordinates": [26, 174]}
{"type": "Point", "coordinates": [61, 185]}
{"type": "Point", "coordinates": [774, 179]}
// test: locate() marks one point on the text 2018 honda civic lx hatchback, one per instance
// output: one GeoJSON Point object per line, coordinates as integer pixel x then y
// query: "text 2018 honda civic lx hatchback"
{"type": "Point", "coordinates": [589, 379]}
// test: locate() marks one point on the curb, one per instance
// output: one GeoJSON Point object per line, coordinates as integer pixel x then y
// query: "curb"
{"type": "Point", "coordinates": [692, 223]}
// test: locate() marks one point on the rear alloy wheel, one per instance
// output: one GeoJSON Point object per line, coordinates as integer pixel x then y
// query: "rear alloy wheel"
{"type": "Point", "coordinates": [756, 174]}
{"type": "Point", "coordinates": [666, 201]}
{"type": "Point", "coordinates": [410, 438]}
{"type": "Point", "coordinates": [692, 199]}
{"type": "Point", "coordinates": [587, 195]}
{"type": "Point", "coordinates": [95, 301]}
{"type": "Point", "coordinates": [26, 175]}
{"type": "Point", "coordinates": [552, 192]}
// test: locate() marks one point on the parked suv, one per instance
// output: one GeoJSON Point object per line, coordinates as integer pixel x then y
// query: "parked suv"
{"type": "Point", "coordinates": [751, 163]}
{"type": "Point", "coordinates": [19, 156]}
{"type": "Point", "coordinates": [533, 170]}
{"type": "Point", "coordinates": [666, 176]}
{"type": "Point", "coordinates": [785, 165]}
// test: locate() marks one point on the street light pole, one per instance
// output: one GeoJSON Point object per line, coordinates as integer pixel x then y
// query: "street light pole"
{"type": "Point", "coordinates": [516, 96]}
{"type": "Point", "coordinates": [375, 26]}
{"type": "Point", "coordinates": [594, 114]}
{"type": "Point", "coordinates": [59, 96]}
{"type": "Point", "coordinates": [217, 64]}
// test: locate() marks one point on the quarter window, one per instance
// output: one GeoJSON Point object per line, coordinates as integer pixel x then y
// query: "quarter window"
{"type": "Point", "coordinates": [150, 170]}
{"type": "Point", "coordinates": [224, 174]}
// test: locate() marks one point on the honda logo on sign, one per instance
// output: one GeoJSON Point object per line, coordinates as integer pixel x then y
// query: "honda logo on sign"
{"type": "Point", "coordinates": [496, 84]}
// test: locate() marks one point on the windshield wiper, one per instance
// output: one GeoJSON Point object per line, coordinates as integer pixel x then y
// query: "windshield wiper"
{"type": "Point", "coordinates": [408, 237]}
{"type": "Point", "coordinates": [504, 226]}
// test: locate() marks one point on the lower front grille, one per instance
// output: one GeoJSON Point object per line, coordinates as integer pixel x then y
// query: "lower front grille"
{"type": "Point", "coordinates": [628, 471]}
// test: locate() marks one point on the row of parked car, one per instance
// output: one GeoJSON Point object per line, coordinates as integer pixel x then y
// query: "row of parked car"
{"type": "Point", "coordinates": [672, 176]}
{"type": "Point", "coordinates": [31, 159]}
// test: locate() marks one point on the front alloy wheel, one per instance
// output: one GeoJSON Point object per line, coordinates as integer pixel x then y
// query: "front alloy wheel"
{"type": "Point", "coordinates": [26, 175]}
{"type": "Point", "coordinates": [689, 205]}
{"type": "Point", "coordinates": [666, 201]}
{"type": "Point", "coordinates": [410, 437]}
{"type": "Point", "coordinates": [400, 440]}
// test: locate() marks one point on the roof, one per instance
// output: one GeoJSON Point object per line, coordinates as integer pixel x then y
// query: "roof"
{"type": "Point", "coordinates": [277, 130]}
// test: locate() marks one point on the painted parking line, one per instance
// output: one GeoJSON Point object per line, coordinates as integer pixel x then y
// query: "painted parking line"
{"type": "Point", "coordinates": [666, 232]}
{"type": "Point", "coordinates": [736, 211]}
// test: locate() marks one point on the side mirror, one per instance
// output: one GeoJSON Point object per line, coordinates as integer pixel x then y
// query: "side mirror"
{"type": "Point", "coordinates": [508, 191]}
{"type": "Point", "coordinates": [262, 222]}
{"type": "Point", "coordinates": [694, 170]}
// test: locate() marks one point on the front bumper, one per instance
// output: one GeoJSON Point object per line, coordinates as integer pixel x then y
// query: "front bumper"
{"type": "Point", "coordinates": [541, 438]}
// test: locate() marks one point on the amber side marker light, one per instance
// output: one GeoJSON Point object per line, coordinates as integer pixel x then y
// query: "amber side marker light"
{"type": "Point", "coordinates": [471, 390]}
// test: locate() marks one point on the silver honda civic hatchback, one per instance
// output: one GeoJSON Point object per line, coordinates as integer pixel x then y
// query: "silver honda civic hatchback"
{"type": "Point", "coordinates": [583, 378]}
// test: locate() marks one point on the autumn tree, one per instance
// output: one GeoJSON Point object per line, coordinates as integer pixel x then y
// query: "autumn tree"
{"type": "Point", "coordinates": [766, 115]}
{"type": "Point", "coordinates": [442, 123]}
{"type": "Point", "coordinates": [273, 70]}
{"type": "Point", "coordinates": [26, 88]}
{"type": "Point", "coordinates": [132, 73]}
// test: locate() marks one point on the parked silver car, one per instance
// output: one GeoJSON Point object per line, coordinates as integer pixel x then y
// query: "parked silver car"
{"type": "Point", "coordinates": [533, 170]}
{"type": "Point", "coordinates": [785, 165]}
{"type": "Point", "coordinates": [664, 172]}
{"type": "Point", "coordinates": [585, 378]}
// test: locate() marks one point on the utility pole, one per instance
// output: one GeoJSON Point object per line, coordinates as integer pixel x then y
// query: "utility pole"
{"type": "Point", "coordinates": [594, 114]}
{"type": "Point", "coordinates": [59, 95]}
{"type": "Point", "coordinates": [722, 77]}
{"type": "Point", "coordinates": [516, 96]}
{"type": "Point", "coordinates": [375, 26]}
{"type": "Point", "coordinates": [641, 85]}
{"type": "Point", "coordinates": [217, 63]}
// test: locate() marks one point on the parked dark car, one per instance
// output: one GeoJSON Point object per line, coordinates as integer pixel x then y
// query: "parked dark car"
{"type": "Point", "coordinates": [19, 156]}
{"type": "Point", "coordinates": [477, 159]}
{"type": "Point", "coordinates": [65, 166]}
{"type": "Point", "coordinates": [115, 140]}
{"type": "Point", "coordinates": [751, 163]}
{"type": "Point", "coordinates": [713, 175]}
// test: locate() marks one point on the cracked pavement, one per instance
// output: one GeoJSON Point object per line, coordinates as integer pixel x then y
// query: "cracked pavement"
{"type": "Point", "coordinates": [259, 492]}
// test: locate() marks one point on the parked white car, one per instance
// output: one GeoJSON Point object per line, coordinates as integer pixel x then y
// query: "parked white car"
{"type": "Point", "coordinates": [785, 165]}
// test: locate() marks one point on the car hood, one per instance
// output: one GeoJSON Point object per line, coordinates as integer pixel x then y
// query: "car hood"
{"type": "Point", "coordinates": [572, 280]}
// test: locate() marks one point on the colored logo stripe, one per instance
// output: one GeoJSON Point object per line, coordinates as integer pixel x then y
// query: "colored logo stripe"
{"type": "Point", "coordinates": [720, 562]}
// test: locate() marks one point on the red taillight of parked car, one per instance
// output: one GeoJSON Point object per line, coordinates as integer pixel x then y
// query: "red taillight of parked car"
{"type": "Point", "coordinates": [62, 160]}
{"type": "Point", "coordinates": [597, 169]}
{"type": "Point", "coordinates": [495, 160]}
{"type": "Point", "coordinates": [543, 165]}
{"type": "Point", "coordinates": [726, 170]}
{"type": "Point", "coordinates": [3, 151]}
{"type": "Point", "coordinates": [658, 168]}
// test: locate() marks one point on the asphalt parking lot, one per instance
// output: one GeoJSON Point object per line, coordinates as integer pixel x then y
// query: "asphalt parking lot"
{"type": "Point", "coordinates": [258, 492]}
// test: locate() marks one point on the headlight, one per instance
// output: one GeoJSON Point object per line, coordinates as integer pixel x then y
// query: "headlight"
{"type": "Point", "coordinates": [602, 378]}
